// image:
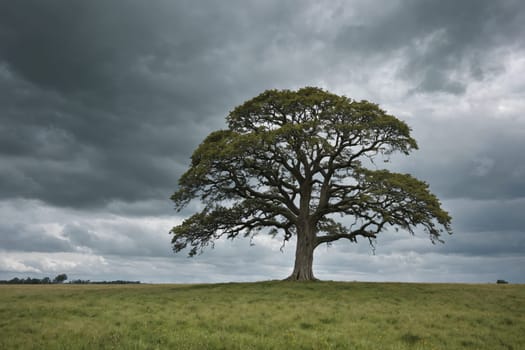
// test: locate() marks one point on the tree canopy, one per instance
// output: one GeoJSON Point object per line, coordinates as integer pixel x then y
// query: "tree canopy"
{"type": "Point", "coordinates": [297, 163]}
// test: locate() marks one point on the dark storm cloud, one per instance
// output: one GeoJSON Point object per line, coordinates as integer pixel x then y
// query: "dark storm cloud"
{"type": "Point", "coordinates": [106, 102]}
{"type": "Point", "coordinates": [100, 47]}
{"type": "Point", "coordinates": [74, 46]}
{"type": "Point", "coordinates": [443, 43]}
{"type": "Point", "coordinates": [70, 134]}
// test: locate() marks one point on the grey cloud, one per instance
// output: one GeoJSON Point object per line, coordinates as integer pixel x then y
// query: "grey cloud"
{"type": "Point", "coordinates": [20, 237]}
{"type": "Point", "coordinates": [488, 215]}
{"type": "Point", "coordinates": [118, 238]}
{"type": "Point", "coordinates": [486, 243]}
{"type": "Point", "coordinates": [155, 207]}
{"type": "Point", "coordinates": [502, 243]}
{"type": "Point", "coordinates": [473, 157]}
{"type": "Point", "coordinates": [444, 43]}
{"type": "Point", "coordinates": [30, 226]}
{"type": "Point", "coordinates": [88, 184]}
{"type": "Point", "coordinates": [419, 267]}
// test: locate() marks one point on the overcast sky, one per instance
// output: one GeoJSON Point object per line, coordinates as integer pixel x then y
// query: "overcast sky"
{"type": "Point", "coordinates": [103, 101]}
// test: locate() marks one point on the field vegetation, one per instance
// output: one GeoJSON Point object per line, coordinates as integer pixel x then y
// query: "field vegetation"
{"type": "Point", "coordinates": [266, 315]}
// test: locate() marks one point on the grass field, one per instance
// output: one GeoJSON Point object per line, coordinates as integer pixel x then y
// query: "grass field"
{"type": "Point", "coordinates": [266, 315]}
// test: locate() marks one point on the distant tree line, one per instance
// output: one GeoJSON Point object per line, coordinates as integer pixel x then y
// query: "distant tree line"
{"type": "Point", "coordinates": [60, 279]}
{"type": "Point", "coordinates": [46, 280]}
{"type": "Point", "coordinates": [103, 282]}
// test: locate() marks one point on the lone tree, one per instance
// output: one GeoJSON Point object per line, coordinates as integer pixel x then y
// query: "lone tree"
{"type": "Point", "coordinates": [60, 278]}
{"type": "Point", "coordinates": [292, 163]}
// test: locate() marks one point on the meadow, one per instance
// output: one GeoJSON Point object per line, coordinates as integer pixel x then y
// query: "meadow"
{"type": "Point", "coordinates": [265, 315]}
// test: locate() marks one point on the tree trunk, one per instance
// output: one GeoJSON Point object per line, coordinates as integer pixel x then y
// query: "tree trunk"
{"type": "Point", "coordinates": [304, 256]}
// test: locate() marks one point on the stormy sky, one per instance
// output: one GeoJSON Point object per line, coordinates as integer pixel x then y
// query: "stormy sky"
{"type": "Point", "coordinates": [102, 103]}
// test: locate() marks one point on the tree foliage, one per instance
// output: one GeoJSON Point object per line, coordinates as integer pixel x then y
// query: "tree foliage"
{"type": "Point", "coordinates": [294, 163]}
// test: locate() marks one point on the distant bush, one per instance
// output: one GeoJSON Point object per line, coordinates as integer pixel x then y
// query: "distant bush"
{"type": "Point", "coordinates": [501, 282]}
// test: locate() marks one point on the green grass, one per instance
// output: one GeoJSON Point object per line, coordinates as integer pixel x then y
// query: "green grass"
{"type": "Point", "coordinates": [266, 315]}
